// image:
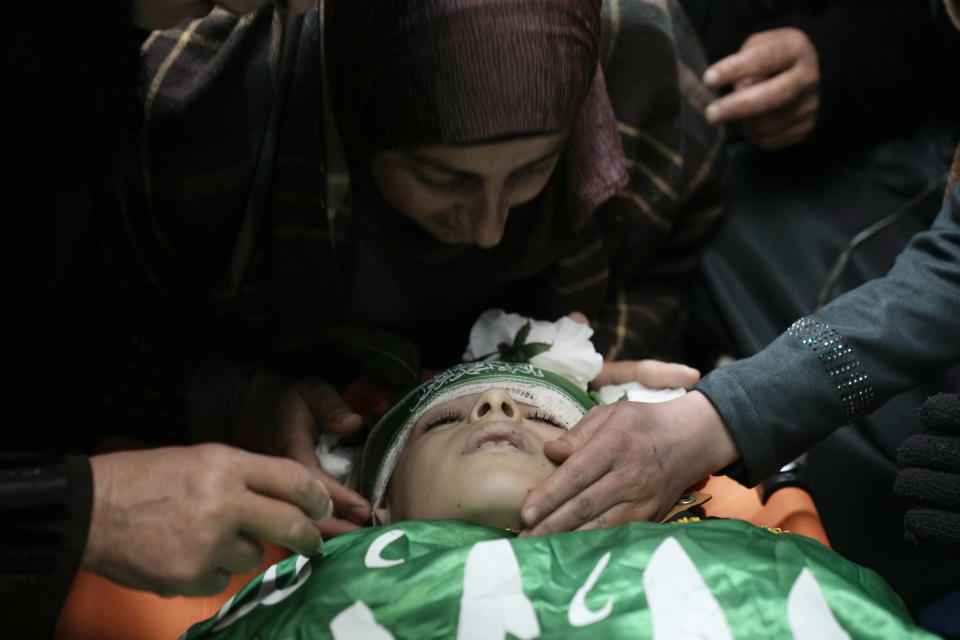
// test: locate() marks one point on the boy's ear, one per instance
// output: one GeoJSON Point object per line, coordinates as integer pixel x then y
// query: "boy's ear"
{"type": "Point", "coordinates": [382, 515]}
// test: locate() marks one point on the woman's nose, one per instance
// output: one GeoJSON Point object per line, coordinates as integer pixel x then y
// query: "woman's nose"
{"type": "Point", "coordinates": [491, 219]}
{"type": "Point", "coordinates": [495, 404]}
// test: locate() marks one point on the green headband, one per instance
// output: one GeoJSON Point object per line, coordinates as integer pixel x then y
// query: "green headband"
{"type": "Point", "coordinates": [523, 381]}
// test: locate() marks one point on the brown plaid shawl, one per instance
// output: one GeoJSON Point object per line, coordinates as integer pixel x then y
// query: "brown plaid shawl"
{"type": "Point", "coordinates": [239, 208]}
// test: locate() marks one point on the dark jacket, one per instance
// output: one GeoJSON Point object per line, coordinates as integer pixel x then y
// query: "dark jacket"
{"type": "Point", "coordinates": [845, 360]}
{"type": "Point", "coordinates": [67, 85]}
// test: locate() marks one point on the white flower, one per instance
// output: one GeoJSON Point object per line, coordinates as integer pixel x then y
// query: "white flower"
{"type": "Point", "coordinates": [636, 392]}
{"type": "Point", "coordinates": [571, 353]}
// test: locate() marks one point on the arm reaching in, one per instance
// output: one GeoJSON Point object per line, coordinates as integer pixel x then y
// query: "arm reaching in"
{"type": "Point", "coordinates": [628, 461]}
{"type": "Point", "coordinates": [180, 520]}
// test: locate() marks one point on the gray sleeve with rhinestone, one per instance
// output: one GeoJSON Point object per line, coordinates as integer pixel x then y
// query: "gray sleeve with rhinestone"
{"type": "Point", "coordinates": [840, 363]}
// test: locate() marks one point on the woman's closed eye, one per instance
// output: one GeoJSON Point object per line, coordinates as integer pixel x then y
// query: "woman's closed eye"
{"type": "Point", "coordinates": [534, 171]}
{"type": "Point", "coordinates": [445, 184]}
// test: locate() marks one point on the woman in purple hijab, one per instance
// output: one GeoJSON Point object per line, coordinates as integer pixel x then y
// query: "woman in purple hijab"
{"type": "Point", "coordinates": [453, 113]}
{"type": "Point", "coordinates": [403, 166]}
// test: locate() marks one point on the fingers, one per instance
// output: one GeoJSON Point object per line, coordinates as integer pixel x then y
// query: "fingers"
{"type": "Point", "coordinates": [651, 373]}
{"type": "Point", "coordinates": [328, 409]}
{"type": "Point", "coordinates": [576, 473]}
{"type": "Point", "coordinates": [773, 123]}
{"type": "Point", "coordinates": [563, 447]}
{"type": "Point", "coordinates": [347, 503]}
{"type": "Point", "coordinates": [616, 515]}
{"type": "Point", "coordinates": [558, 451]}
{"type": "Point", "coordinates": [278, 522]}
{"type": "Point", "coordinates": [602, 504]}
{"type": "Point", "coordinates": [761, 55]}
{"type": "Point", "coordinates": [757, 99]}
{"type": "Point", "coordinates": [240, 554]}
{"type": "Point", "coordinates": [333, 527]}
{"type": "Point", "coordinates": [786, 127]}
{"type": "Point", "coordinates": [792, 136]}
{"type": "Point", "coordinates": [286, 480]}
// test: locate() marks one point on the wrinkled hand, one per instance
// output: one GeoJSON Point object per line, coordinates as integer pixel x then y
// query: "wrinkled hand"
{"type": "Point", "coordinates": [628, 461]}
{"type": "Point", "coordinates": [930, 476]}
{"type": "Point", "coordinates": [163, 14]}
{"type": "Point", "coordinates": [776, 88]}
{"type": "Point", "coordinates": [180, 520]}
{"type": "Point", "coordinates": [285, 417]}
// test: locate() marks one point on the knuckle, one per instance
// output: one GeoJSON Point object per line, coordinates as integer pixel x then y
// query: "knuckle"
{"type": "Point", "coordinates": [218, 459]}
{"type": "Point", "coordinates": [305, 485]}
{"type": "Point", "coordinates": [578, 478]}
{"type": "Point", "coordinates": [631, 477]}
{"type": "Point", "coordinates": [620, 440]}
{"type": "Point", "coordinates": [583, 508]}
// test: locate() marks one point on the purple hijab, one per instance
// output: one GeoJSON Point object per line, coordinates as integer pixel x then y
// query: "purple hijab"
{"type": "Point", "coordinates": [408, 73]}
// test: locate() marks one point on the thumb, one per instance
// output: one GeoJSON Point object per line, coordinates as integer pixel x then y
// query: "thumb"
{"type": "Point", "coordinates": [760, 56]}
{"type": "Point", "coordinates": [566, 445]}
{"type": "Point", "coordinates": [329, 411]}
{"type": "Point", "coordinates": [558, 450]}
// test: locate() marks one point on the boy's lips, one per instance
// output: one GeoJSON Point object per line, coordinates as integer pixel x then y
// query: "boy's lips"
{"type": "Point", "coordinates": [496, 432]}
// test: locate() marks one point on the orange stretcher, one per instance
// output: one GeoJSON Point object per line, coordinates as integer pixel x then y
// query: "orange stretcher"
{"type": "Point", "coordinates": [98, 609]}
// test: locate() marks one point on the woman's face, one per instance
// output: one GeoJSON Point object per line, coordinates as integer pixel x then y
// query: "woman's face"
{"type": "Point", "coordinates": [463, 194]}
{"type": "Point", "coordinates": [474, 458]}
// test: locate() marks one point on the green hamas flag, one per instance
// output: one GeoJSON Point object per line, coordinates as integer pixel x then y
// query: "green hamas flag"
{"type": "Point", "coordinates": [451, 579]}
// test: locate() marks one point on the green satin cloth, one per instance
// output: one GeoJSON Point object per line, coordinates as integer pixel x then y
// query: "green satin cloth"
{"type": "Point", "coordinates": [451, 579]}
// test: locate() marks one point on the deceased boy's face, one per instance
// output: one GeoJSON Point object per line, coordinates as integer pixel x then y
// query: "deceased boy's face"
{"type": "Point", "coordinates": [473, 458]}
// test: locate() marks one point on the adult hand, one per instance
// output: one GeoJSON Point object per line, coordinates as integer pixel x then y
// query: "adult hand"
{"type": "Point", "coordinates": [776, 88]}
{"type": "Point", "coordinates": [284, 417]}
{"type": "Point", "coordinates": [628, 461]}
{"type": "Point", "coordinates": [650, 373]}
{"type": "Point", "coordinates": [180, 520]}
{"type": "Point", "coordinates": [163, 14]}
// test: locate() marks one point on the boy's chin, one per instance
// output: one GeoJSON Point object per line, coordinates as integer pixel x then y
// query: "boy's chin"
{"type": "Point", "coordinates": [507, 517]}
{"type": "Point", "coordinates": [497, 502]}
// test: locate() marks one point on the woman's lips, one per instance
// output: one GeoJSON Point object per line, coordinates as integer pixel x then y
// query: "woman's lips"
{"type": "Point", "coordinates": [506, 435]}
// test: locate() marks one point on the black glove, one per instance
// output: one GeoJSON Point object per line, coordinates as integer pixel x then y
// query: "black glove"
{"type": "Point", "coordinates": [930, 475]}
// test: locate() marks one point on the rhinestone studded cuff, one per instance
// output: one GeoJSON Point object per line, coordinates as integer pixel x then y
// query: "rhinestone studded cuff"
{"type": "Point", "coordinates": [841, 364]}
